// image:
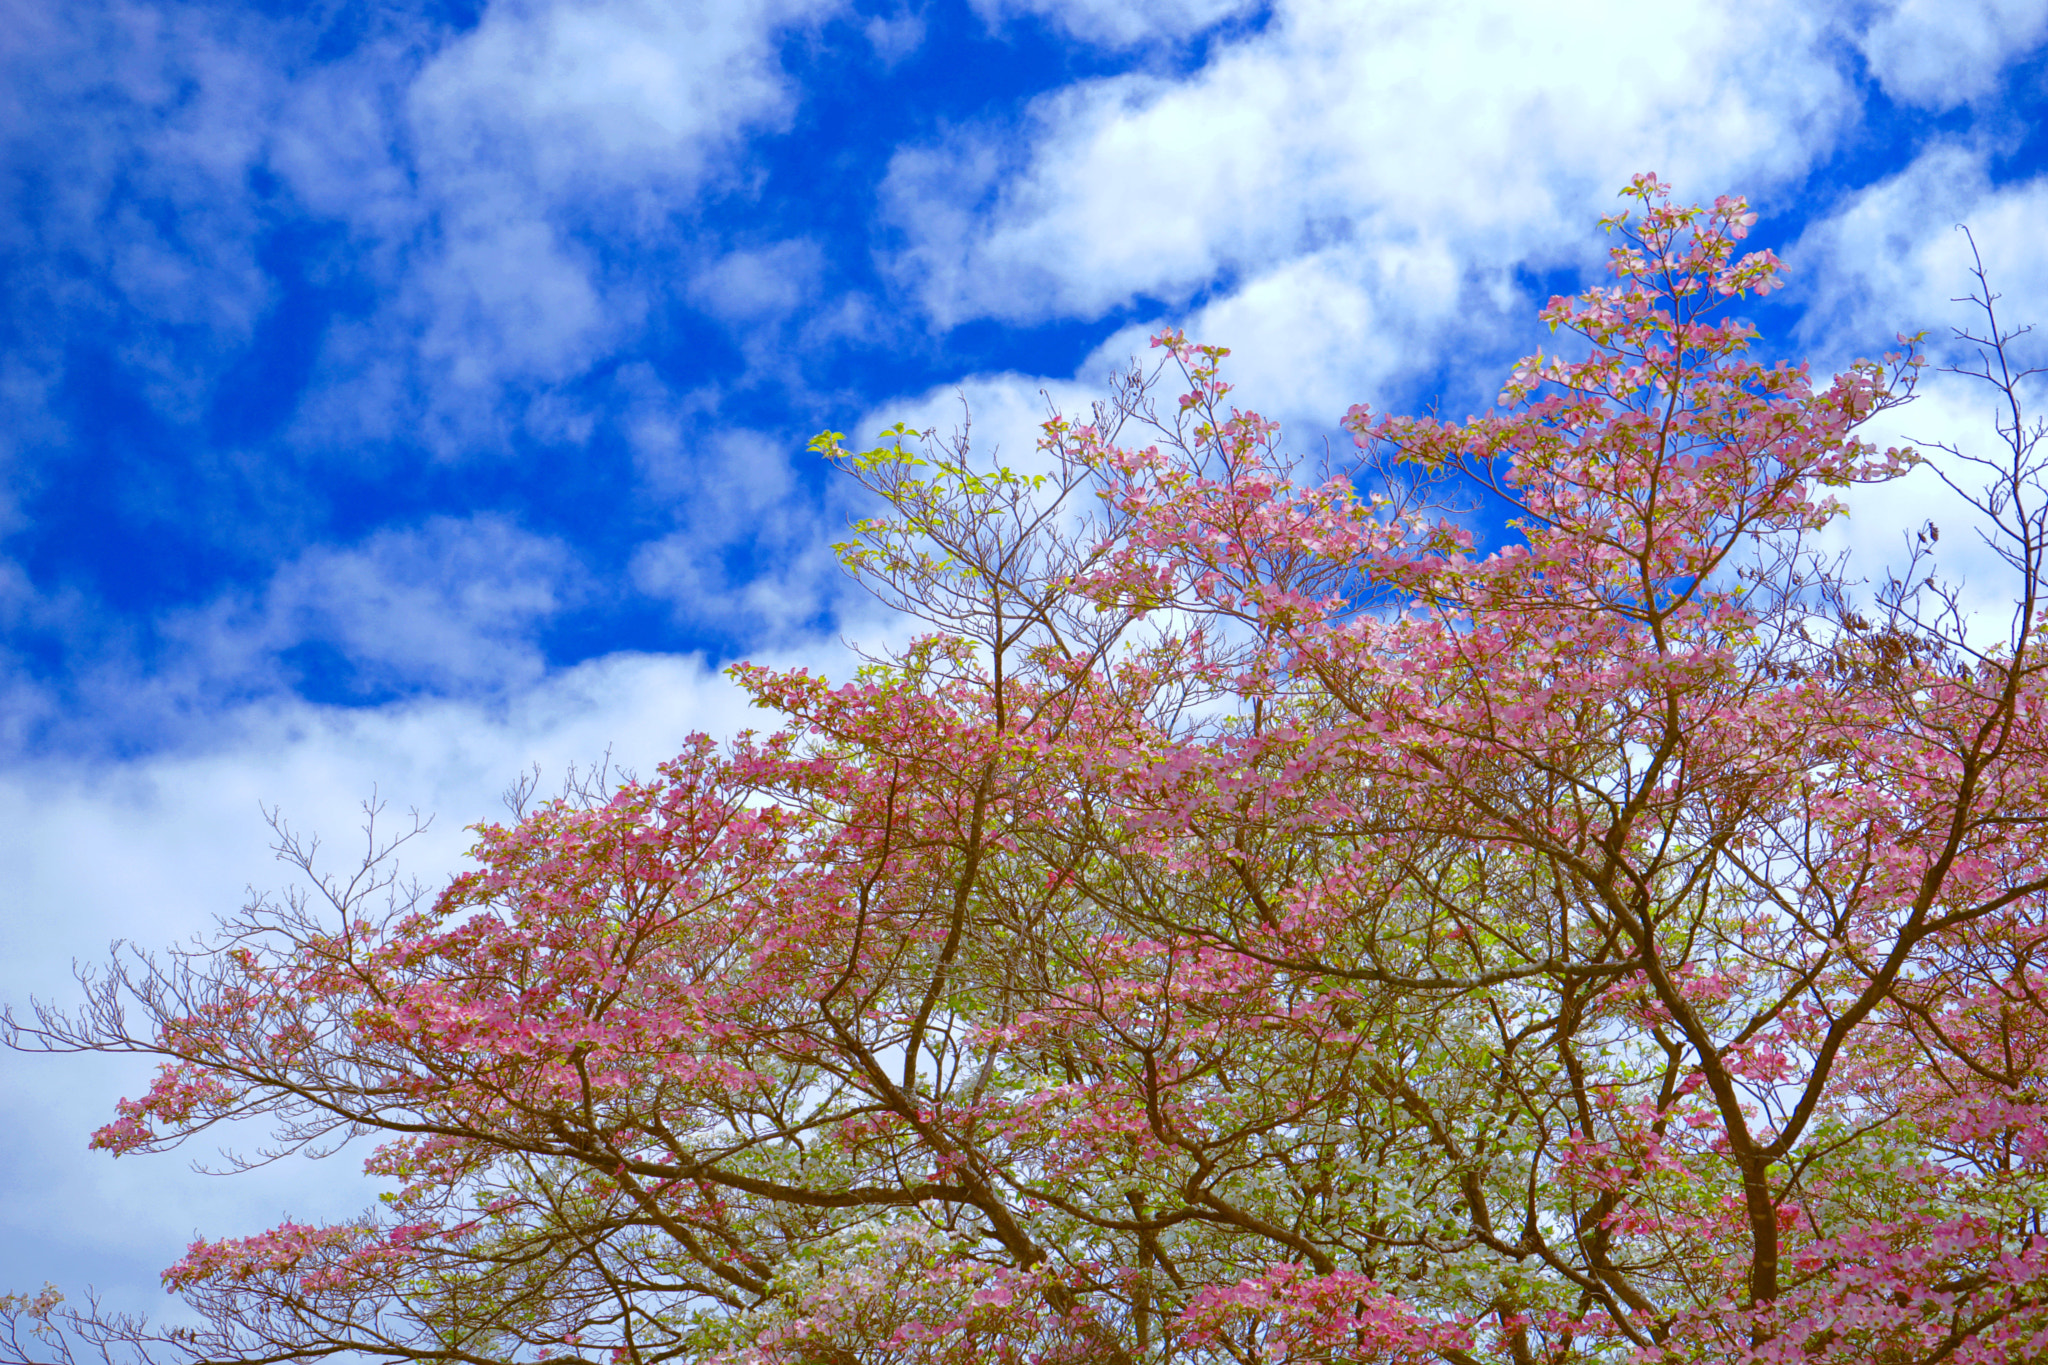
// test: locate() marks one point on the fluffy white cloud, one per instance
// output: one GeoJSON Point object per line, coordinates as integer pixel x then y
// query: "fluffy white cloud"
{"type": "Point", "coordinates": [761, 283]}
{"type": "Point", "coordinates": [768, 592]}
{"type": "Point", "coordinates": [1940, 53]}
{"type": "Point", "coordinates": [896, 35]}
{"type": "Point", "coordinates": [551, 116]}
{"type": "Point", "coordinates": [1000, 415]}
{"type": "Point", "coordinates": [1312, 335]}
{"type": "Point", "coordinates": [1891, 259]}
{"type": "Point", "coordinates": [1495, 130]}
{"type": "Point", "coordinates": [1349, 197]}
{"type": "Point", "coordinates": [467, 174]}
{"type": "Point", "coordinates": [1885, 518]}
{"type": "Point", "coordinates": [750, 552]}
{"type": "Point", "coordinates": [1118, 23]}
{"type": "Point", "coordinates": [602, 96]}
{"type": "Point", "coordinates": [104, 110]}
{"type": "Point", "coordinates": [450, 606]}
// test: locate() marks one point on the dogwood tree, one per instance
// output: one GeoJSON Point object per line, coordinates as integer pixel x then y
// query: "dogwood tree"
{"type": "Point", "coordinates": [1253, 923]}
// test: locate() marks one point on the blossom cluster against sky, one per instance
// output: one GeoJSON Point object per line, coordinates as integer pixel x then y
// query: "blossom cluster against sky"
{"type": "Point", "coordinates": [399, 394]}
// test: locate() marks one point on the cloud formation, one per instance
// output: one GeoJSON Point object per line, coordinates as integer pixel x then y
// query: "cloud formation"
{"type": "Point", "coordinates": [449, 606]}
{"type": "Point", "coordinates": [1939, 53]}
{"type": "Point", "coordinates": [1116, 24]}
{"type": "Point", "coordinates": [1474, 127]}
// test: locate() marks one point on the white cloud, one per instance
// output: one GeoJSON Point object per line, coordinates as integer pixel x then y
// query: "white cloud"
{"type": "Point", "coordinates": [1118, 23]}
{"type": "Point", "coordinates": [1310, 336]}
{"type": "Point", "coordinates": [762, 283]}
{"type": "Point", "coordinates": [751, 551]}
{"type": "Point", "coordinates": [335, 140]}
{"type": "Point", "coordinates": [544, 120]}
{"type": "Point", "coordinates": [469, 174]}
{"type": "Point", "coordinates": [1884, 518]}
{"type": "Point", "coordinates": [547, 121]}
{"type": "Point", "coordinates": [894, 36]}
{"type": "Point", "coordinates": [108, 110]}
{"type": "Point", "coordinates": [1496, 130]}
{"type": "Point", "coordinates": [1348, 197]}
{"type": "Point", "coordinates": [1940, 53]}
{"type": "Point", "coordinates": [511, 299]}
{"type": "Point", "coordinates": [769, 588]}
{"type": "Point", "coordinates": [1000, 414]}
{"type": "Point", "coordinates": [604, 96]}
{"type": "Point", "coordinates": [450, 606]}
{"type": "Point", "coordinates": [1890, 259]}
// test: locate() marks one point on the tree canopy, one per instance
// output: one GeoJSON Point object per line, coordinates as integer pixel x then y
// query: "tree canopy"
{"type": "Point", "coordinates": [1250, 922]}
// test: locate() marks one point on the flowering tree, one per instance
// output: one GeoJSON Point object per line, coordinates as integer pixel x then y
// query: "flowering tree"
{"type": "Point", "coordinates": [1252, 924]}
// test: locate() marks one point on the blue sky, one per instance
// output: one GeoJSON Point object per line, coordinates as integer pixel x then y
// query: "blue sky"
{"type": "Point", "coordinates": [397, 395]}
